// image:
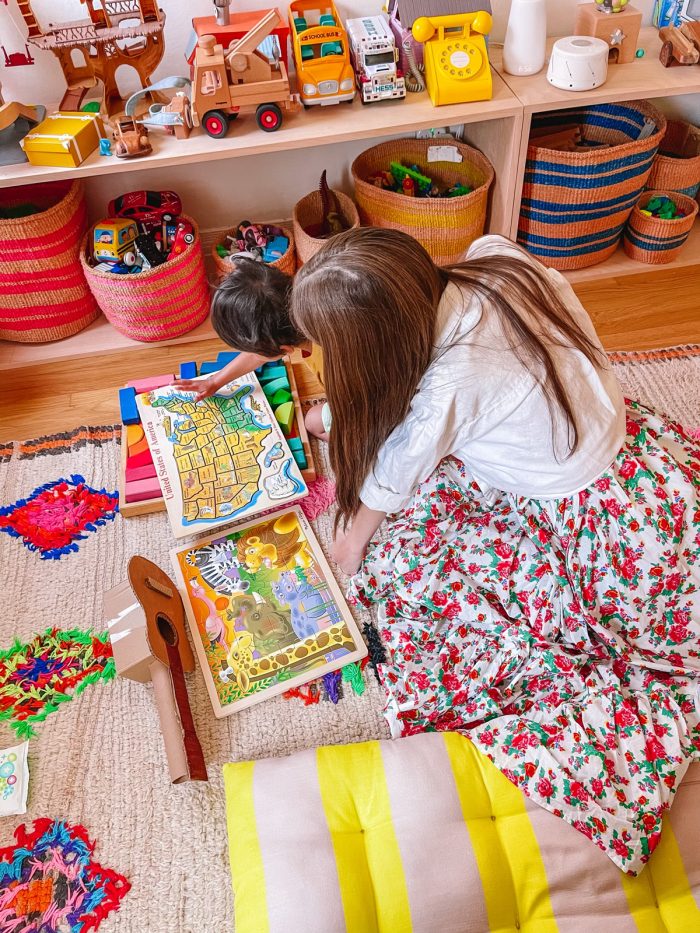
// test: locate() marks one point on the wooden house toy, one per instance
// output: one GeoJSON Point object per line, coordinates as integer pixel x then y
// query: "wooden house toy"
{"type": "Point", "coordinates": [619, 30]}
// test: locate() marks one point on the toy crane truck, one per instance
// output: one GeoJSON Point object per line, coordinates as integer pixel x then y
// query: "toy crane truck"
{"type": "Point", "coordinates": [239, 80]}
{"type": "Point", "coordinates": [374, 56]}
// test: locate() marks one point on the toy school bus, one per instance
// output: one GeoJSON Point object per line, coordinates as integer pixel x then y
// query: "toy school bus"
{"type": "Point", "coordinates": [113, 241]}
{"type": "Point", "coordinates": [320, 46]}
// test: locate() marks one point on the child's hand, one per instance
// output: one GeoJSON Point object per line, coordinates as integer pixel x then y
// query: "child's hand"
{"type": "Point", "coordinates": [202, 388]}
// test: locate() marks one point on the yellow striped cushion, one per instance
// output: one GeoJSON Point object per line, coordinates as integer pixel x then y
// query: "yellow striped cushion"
{"type": "Point", "coordinates": [424, 834]}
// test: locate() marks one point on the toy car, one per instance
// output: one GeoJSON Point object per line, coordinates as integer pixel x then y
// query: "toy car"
{"type": "Point", "coordinates": [131, 140]}
{"type": "Point", "coordinates": [113, 241]}
{"type": "Point", "coordinates": [149, 208]}
{"type": "Point", "coordinates": [184, 237]}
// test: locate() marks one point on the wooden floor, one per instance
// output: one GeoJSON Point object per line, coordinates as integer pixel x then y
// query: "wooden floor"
{"type": "Point", "coordinates": [643, 312]}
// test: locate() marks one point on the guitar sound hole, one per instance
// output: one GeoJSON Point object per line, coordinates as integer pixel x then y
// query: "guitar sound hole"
{"type": "Point", "coordinates": [167, 630]}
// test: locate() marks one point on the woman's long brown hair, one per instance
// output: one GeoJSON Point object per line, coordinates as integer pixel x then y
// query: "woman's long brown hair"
{"type": "Point", "coordinates": [369, 298]}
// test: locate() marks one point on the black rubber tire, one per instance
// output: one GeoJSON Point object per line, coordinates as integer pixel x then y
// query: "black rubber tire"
{"type": "Point", "coordinates": [269, 117]}
{"type": "Point", "coordinates": [215, 123]}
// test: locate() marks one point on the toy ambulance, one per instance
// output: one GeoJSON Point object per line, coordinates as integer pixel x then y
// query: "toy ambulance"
{"type": "Point", "coordinates": [374, 56]}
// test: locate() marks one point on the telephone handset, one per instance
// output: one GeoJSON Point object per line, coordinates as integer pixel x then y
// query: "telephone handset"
{"type": "Point", "coordinates": [455, 57]}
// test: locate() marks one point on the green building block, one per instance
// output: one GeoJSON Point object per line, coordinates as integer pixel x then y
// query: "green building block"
{"type": "Point", "coordinates": [422, 182]}
{"type": "Point", "coordinates": [269, 388]}
{"type": "Point", "coordinates": [285, 417]}
{"type": "Point", "coordinates": [274, 372]}
{"type": "Point", "coordinates": [300, 459]}
{"type": "Point", "coordinates": [280, 397]}
{"type": "Point", "coordinates": [295, 443]}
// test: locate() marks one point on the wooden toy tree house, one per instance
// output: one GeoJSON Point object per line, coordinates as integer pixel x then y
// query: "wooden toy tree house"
{"type": "Point", "coordinates": [118, 32]}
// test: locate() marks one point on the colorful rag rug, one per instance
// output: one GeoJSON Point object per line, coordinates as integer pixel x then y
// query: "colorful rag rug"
{"type": "Point", "coordinates": [562, 636]}
{"type": "Point", "coordinates": [53, 518]}
{"type": "Point", "coordinates": [50, 883]}
{"type": "Point", "coordinates": [37, 677]}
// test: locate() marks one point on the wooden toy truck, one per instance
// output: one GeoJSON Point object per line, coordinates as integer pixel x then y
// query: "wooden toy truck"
{"type": "Point", "coordinates": [241, 79]}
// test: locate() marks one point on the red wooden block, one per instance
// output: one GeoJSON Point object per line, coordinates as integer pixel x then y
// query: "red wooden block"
{"type": "Point", "coordinates": [142, 472]}
{"type": "Point", "coordinates": [139, 460]}
{"type": "Point", "coordinates": [154, 382]}
{"type": "Point", "coordinates": [142, 489]}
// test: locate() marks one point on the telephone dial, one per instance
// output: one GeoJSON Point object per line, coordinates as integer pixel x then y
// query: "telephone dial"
{"type": "Point", "coordinates": [455, 57]}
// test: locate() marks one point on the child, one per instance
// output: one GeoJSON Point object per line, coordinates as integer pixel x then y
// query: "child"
{"type": "Point", "coordinates": [250, 313]}
{"type": "Point", "coordinates": [538, 581]}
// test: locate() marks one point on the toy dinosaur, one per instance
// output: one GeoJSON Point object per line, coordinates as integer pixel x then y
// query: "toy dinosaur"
{"type": "Point", "coordinates": [333, 220]}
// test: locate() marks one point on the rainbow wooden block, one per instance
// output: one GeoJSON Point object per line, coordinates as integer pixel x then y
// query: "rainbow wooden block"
{"type": "Point", "coordinates": [154, 382]}
{"type": "Point", "coordinates": [140, 489]}
{"type": "Point", "coordinates": [188, 370]}
{"type": "Point", "coordinates": [133, 474]}
{"type": "Point", "coordinates": [129, 413]}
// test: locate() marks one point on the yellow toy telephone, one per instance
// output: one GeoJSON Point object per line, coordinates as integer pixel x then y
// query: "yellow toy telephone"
{"type": "Point", "coordinates": [455, 57]}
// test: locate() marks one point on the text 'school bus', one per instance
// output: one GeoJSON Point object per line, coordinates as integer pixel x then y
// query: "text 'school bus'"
{"type": "Point", "coordinates": [321, 57]}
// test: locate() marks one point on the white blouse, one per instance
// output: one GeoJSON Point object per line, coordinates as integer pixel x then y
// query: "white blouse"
{"type": "Point", "coordinates": [479, 403]}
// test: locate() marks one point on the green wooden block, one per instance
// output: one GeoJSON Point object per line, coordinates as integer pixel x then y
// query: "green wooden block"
{"type": "Point", "coordinates": [273, 372]}
{"type": "Point", "coordinates": [285, 416]}
{"type": "Point", "coordinates": [269, 388]}
{"type": "Point", "coordinates": [280, 397]}
{"type": "Point", "coordinates": [295, 443]}
{"type": "Point", "coordinates": [300, 459]}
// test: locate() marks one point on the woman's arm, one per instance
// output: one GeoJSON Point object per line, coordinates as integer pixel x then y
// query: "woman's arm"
{"type": "Point", "coordinates": [349, 546]}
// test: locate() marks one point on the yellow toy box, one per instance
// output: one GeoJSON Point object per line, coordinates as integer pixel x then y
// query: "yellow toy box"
{"type": "Point", "coordinates": [64, 139]}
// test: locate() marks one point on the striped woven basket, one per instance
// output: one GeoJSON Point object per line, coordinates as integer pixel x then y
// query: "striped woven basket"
{"type": "Point", "coordinates": [157, 304]}
{"type": "Point", "coordinates": [43, 292]}
{"type": "Point", "coordinates": [286, 263]}
{"type": "Point", "coordinates": [657, 241]}
{"type": "Point", "coordinates": [308, 211]}
{"type": "Point", "coordinates": [575, 204]}
{"type": "Point", "coordinates": [677, 166]}
{"type": "Point", "coordinates": [446, 227]}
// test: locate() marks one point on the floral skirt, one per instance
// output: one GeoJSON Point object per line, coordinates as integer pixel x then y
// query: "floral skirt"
{"type": "Point", "coordinates": [562, 636]}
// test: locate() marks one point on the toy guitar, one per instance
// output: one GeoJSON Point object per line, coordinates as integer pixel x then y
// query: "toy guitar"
{"type": "Point", "coordinates": [172, 657]}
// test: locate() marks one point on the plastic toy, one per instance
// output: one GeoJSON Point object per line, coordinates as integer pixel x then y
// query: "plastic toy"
{"type": "Point", "coordinates": [674, 12]}
{"type": "Point", "coordinates": [90, 51]}
{"type": "Point", "coordinates": [227, 28]}
{"type": "Point", "coordinates": [662, 207]}
{"type": "Point", "coordinates": [420, 182]}
{"type": "Point", "coordinates": [374, 55]}
{"type": "Point", "coordinates": [175, 117]}
{"type": "Point", "coordinates": [240, 80]}
{"type": "Point", "coordinates": [131, 140]}
{"type": "Point", "coordinates": [321, 57]}
{"type": "Point", "coordinates": [113, 241]}
{"type": "Point", "coordinates": [456, 61]}
{"type": "Point", "coordinates": [16, 120]}
{"type": "Point", "coordinates": [147, 208]}
{"type": "Point", "coordinates": [616, 23]}
{"type": "Point", "coordinates": [184, 237]}
{"type": "Point", "coordinates": [105, 146]}
{"type": "Point", "coordinates": [147, 246]}
{"type": "Point", "coordinates": [275, 248]}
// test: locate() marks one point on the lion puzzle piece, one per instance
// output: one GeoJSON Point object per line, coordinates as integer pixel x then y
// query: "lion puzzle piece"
{"type": "Point", "coordinates": [150, 644]}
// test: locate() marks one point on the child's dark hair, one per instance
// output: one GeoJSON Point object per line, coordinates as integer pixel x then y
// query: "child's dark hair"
{"type": "Point", "coordinates": [250, 309]}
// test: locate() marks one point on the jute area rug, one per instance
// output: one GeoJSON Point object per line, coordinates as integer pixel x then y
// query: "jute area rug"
{"type": "Point", "coordinates": [99, 759]}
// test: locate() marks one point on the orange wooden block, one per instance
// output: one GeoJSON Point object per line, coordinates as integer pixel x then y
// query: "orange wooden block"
{"type": "Point", "coordinates": [138, 447]}
{"type": "Point", "coordinates": [134, 433]}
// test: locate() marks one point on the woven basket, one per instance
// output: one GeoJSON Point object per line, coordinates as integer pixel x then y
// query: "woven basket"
{"type": "Point", "coordinates": [156, 304]}
{"type": "Point", "coordinates": [575, 204]}
{"type": "Point", "coordinates": [657, 241]}
{"type": "Point", "coordinates": [445, 226]}
{"type": "Point", "coordinates": [307, 212]}
{"type": "Point", "coordinates": [677, 166]}
{"type": "Point", "coordinates": [43, 292]}
{"type": "Point", "coordinates": [286, 263]}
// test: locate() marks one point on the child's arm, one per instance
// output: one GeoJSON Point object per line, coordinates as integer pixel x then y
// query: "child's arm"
{"type": "Point", "coordinates": [244, 363]}
{"type": "Point", "coordinates": [349, 546]}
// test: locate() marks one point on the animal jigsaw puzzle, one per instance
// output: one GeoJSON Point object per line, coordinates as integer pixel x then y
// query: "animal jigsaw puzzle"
{"type": "Point", "coordinates": [219, 459]}
{"type": "Point", "coordinates": [265, 612]}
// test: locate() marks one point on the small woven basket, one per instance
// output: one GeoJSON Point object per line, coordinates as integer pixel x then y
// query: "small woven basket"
{"type": "Point", "coordinates": [677, 165]}
{"type": "Point", "coordinates": [656, 241]}
{"type": "Point", "coordinates": [286, 263]}
{"type": "Point", "coordinates": [575, 204]}
{"type": "Point", "coordinates": [308, 212]}
{"type": "Point", "coordinates": [43, 292]}
{"type": "Point", "coordinates": [159, 303]}
{"type": "Point", "coordinates": [446, 227]}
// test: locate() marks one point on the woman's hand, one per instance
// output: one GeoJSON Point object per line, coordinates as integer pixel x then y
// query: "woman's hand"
{"type": "Point", "coordinates": [350, 544]}
{"type": "Point", "coordinates": [347, 553]}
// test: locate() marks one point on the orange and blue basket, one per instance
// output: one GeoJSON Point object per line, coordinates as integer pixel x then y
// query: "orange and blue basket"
{"type": "Point", "coordinates": [575, 204]}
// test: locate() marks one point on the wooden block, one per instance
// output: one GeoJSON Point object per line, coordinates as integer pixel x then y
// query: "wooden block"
{"type": "Point", "coordinates": [188, 370]}
{"type": "Point", "coordinates": [619, 30]}
{"type": "Point", "coordinates": [271, 387]}
{"type": "Point", "coordinates": [285, 417]}
{"type": "Point", "coordinates": [274, 372]}
{"type": "Point", "coordinates": [138, 447]}
{"type": "Point", "coordinates": [154, 382]}
{"type": "Point", "coordinates": [134, 433]}
{"type": "Point", "coordinates": [300, 458]}
{"type": "Point", "coordinates": [295, 443]}
{"type": "Point", "coordinates": [143, 472]}
{"type": "Point", "coordinates": [280, 397]}
{"type": "Point", "coordinates": [127, 406]}
{"type": "Point", "coordinates": [139, 460]}
{"type": "Point", "coordinates": [211, 366]}
{"type": "Point", "coordinates": [141, 489]}
{"type": "Point", "coordinates": [226, 358]}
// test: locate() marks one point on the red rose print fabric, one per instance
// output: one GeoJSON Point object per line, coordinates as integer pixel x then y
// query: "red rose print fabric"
{"type": "Point", "coordinates": [562, 636]}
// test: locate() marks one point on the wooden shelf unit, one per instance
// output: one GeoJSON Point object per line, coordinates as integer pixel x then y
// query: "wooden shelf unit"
{"type": "Point", "coordinates": [500, 128]}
